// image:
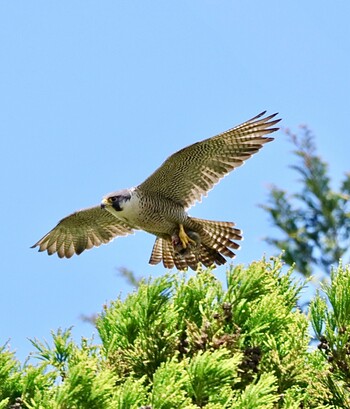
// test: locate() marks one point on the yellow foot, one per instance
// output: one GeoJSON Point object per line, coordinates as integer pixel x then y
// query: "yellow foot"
{"type": "Point", "coordinates": [185, 240]}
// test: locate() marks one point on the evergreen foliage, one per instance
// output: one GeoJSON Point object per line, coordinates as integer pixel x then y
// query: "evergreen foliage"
{"type": "Point", "coordinates": [179, 342]}
{"type": "Point", "coordinates": [315, 221]}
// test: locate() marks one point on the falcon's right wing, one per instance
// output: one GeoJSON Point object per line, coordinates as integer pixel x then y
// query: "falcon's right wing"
{"type": "Point", "coordinates": [82, 230]}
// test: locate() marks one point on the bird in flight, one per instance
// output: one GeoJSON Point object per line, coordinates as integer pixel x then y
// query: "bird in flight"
{"type": "Point", "coordinates": [159, 204]}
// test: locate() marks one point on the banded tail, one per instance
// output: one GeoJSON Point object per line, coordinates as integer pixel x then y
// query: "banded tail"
{"type": "Point", "coordinates": [214, 242]}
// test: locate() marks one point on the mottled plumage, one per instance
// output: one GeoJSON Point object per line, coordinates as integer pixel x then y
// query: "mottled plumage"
{"type": "Point", "coordinates": [159, 204]}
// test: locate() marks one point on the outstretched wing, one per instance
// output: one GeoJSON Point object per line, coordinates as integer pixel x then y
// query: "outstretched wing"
{"type": "Point", "coordinates": [191, 172]}
{"type": "Point", "coordinates": [82, 230]}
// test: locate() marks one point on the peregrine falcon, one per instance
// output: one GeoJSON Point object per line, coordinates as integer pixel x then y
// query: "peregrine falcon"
{"type": "Point", "coordinates": [159, 205]}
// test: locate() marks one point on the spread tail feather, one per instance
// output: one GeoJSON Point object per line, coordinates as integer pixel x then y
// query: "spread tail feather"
{"type": "Point", "coordinates": [216, 241]}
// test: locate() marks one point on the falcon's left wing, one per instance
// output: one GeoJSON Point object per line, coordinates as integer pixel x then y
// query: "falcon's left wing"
{"type": "Point", "coordinates": [191, 172]}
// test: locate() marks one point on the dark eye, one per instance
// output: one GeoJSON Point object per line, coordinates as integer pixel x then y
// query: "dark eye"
{"type": "Point", "coordinates": [113, 198]}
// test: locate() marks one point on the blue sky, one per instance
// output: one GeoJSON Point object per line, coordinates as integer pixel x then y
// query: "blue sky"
{"type": "Point", "coordinates": [95, 95]}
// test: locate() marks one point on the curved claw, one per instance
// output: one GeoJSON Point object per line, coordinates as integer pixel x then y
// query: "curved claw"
{"type": "Point", "coordinates": [184, 238]}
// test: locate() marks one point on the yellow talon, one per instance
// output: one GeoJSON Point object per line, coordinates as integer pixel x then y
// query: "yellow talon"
{"type": "Point", "coordinates": [185, 240]}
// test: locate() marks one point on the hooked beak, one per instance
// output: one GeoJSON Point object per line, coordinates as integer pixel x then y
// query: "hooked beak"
{"type": "Point", "coordinates": [104, 203]}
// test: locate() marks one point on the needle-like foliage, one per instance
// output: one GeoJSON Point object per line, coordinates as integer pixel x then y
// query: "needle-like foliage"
{"type": "Point", "coordinates": [191, 342]}
{"type": "Point", "coordinates": [314, 221]}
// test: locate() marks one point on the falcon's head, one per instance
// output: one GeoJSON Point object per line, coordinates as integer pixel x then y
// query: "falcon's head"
{"type": "Point", "coordinates": [116, 200]}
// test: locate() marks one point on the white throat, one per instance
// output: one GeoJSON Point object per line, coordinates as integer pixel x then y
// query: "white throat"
{"type": "Point", "coordinates": [130, 210]}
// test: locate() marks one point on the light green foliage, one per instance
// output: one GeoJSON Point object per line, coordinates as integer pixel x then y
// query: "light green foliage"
{"type": "Point", "coordinates": [188, 343]}
{"type": "Point", "coordinates": [141, 332]}
{"type": "Point", "coordinates": [330, 317]}
{"type": "Point", "coordinates": [169, 386]}
{"type": "Point", "coordinates": [132, 393]}
{"type": "Point", "coordinates": [10, 379]}
{"type": "Point", "coordinates": [315, 221]}
{"type": "Point", "coordinates": [212, 375]}
{"type": "Point", "coordinates": [260, 394]}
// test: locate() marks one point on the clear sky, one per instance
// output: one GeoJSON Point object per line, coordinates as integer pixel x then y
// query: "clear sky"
{"type": "Point", "coordinates": [94, 95]}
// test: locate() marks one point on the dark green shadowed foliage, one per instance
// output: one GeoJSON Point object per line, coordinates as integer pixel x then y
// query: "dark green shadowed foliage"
{"type": "Point", "coordinates": [315, 220]}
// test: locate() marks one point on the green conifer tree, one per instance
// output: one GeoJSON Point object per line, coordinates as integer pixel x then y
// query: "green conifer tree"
{"type": "Point", "coordinates": [180, 342]}
{"type": "Point", "coordinates": [315, 221]}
